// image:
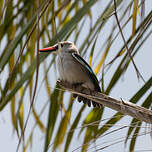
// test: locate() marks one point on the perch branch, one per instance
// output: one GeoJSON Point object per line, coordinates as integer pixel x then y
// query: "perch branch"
{"type": "Point", "coordinates": [125, 107]}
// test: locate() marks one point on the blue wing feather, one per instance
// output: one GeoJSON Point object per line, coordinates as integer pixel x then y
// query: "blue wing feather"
{"type": "Point", "coordinates": [89, 69]}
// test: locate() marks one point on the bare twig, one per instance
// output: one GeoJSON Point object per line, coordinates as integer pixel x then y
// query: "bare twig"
{"type": "Point", "coordinates": [113, 142]}
{"type": "Point", "coordinates": [37, 69]}
{"type": "Point", "coordinates": [28, 37]}
{"type": "Point", "coordinates": [129, 53]}
{"type": "Point", "coordinates": [125, 107]}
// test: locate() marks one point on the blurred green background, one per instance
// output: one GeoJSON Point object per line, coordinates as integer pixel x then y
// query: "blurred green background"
{"type": "Point", "coordinates": [57, 121]}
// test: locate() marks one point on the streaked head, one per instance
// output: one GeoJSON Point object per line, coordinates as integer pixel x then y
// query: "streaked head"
{"type": "Point", "coordinates": [65, 46]}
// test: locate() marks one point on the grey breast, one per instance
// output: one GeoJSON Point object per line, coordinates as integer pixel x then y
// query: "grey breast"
{"type": "Point", "coordinates": [72, 71]}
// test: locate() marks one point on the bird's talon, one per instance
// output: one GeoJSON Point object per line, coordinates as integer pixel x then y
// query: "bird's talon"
{"type": "Point", "coordinates": [94, 104]}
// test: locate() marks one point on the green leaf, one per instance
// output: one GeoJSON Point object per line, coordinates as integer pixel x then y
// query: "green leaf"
{"type": "Point", "coordinates": [71, 130]}
{"type": "Point", "coordinates": [135, 135]}
{"type": "Point", "coordinates": [60, 136]}
{"type": "Point", "coordinates": [52, 116]}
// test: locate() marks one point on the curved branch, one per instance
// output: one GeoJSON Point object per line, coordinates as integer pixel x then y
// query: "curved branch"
{"type": "Point", "coordinates": [125, 107]}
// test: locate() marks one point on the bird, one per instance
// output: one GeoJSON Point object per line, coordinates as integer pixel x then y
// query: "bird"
{"type": "Point", "coordinates": [74, 69]}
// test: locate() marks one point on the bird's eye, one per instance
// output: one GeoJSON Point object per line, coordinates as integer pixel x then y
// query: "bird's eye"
{"type": "Point", "coordinates": [61, 45]}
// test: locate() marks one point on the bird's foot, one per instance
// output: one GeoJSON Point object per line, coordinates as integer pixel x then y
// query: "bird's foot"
{"type": "Point", "coordinates": [78, 87]}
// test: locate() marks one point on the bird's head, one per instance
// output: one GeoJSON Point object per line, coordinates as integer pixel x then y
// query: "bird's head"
{"type": "Point", "coordinates": [61, 47]}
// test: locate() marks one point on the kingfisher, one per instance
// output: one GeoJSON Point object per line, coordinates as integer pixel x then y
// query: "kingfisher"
{"type": "Point", "coordinates": [74, 69]}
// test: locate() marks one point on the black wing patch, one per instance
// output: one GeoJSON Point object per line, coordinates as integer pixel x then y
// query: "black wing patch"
{"type": "Point", "coordinates": [89, 69]}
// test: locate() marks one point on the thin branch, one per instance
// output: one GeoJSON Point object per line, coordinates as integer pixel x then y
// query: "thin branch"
{"type": "Point", "coordinates": [119, 140]}
{"type": "Point", "coordinates": [28, 37]}
{"type": "Point", "coordinates": [125, 107]}
{"type": "Point", "coordinates": [37, 70]}
{"type": "Point", "coordinates": [129, 53]}
{"type": "Point", "coordinates": [116, 141]}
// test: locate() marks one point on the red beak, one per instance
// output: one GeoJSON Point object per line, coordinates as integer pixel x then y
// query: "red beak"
{"type": "Point", "coordinates": [49, 49]}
